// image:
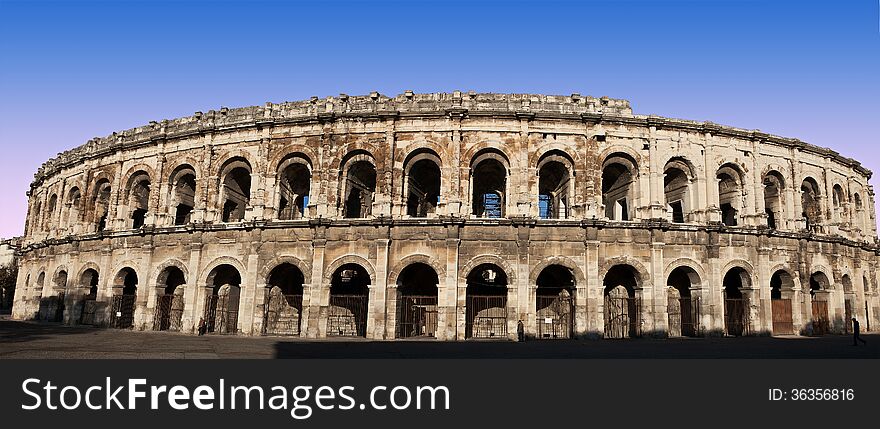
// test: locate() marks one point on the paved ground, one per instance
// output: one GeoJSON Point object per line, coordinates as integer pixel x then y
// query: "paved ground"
{"type": "Point", "coordinates": [26, 340]}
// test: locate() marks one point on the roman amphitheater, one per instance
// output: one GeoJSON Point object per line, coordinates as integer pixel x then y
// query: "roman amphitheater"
{"type": "Point", "coordinates": [450, 216]}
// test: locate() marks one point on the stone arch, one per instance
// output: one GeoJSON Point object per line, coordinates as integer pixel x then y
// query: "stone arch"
{"type": "Point", "coordinates": [682, 163]}
{"type": "Point", "coordinates": [779, 169]}
{"type": "Point", "coordinates": [61, 269]}
{"type": "Point", "coordinates": [350, 259]}
{"type": "Point", "coordinates": [476, 261]}
{"type": "Point", "coordinates": [304, 267]}
{"type": "Point", "coordinates": [413, 259]}
{"type": "Point", "coordinates": [823, 270]}
{"type": "Point", "coordinates": [623, 149]}
{"type": "Point", "coordinates": [688, 263]}
{"type": "Point", "coordinates": [82, 270]}
{"type": "Point", "coordinates": [120, 280]}
{"type": "Point", "coordinates": [160, 270]}
{"type": "Point", "coordinates": [344, 153]}
{"type": "Point", "coordinates": [568, 149]}
{"type": "Point", "coordinates": [206, 279]}
{"type": "Point", "coordinates": [415, 149]}
{"type": "Point", "coordinates": [489, 146]}
{"type": "Point", "coordinates": [563, 261]}
{"type": "Point", "coordinates": [644, 276]}
{"type": "Point", "coordinates": [230, 157]}
{"type": "Point", "coordinates": [421, 188]}
{"type": "Point", "coordinates": [134, 171]}
{"type": "Point", "coordinates": [791, 273]}
{"type": "Point", "coordinates": [745, 265]}
{"type": "Point", "coordinates": [185, 160]}
{"type": "Point", "coordinates": [287, 151]}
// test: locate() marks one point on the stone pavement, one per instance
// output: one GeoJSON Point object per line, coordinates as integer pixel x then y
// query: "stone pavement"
{"type": "Point", "coordinates": [28, 340]}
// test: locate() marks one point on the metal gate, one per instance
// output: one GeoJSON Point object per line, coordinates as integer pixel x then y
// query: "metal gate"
{"type": "Point", "coordinates": [282, 314]}
{"type": "Point", "coordinates": [623, 317]}
{"type": "Point", "coordinates": [684, 317]}
{"type": "Point", "coordinates": [555, 317]}
{"type": "Point", "coordinates": [820, 317]}
{"type": "Point", "coordinates": [486, 316]}
{"type": "Point", "coordinates": [782, 322]}
{"type": "Point", "coordinates": [736, 316]}
{"type": "Point", "coordinates": [347, 316]}
{"type": "Point", "coordinates": [221, 314]}
{"type": "Point", "coordinates": [416, 316]}
{"type": "Point", "coordinates": [169, 312]}
{"type": "Point", "coordinates": [87, 315]}
{"type": "Point", "coordinates": [122, 311]}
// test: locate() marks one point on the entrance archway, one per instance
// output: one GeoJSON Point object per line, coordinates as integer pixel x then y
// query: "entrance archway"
{"type": "Point", "coordinates": [169, 300]}
{"type": "Point", "coordinates": [622, 306]}
{"type": "Point", "coordinates": [417, 294]}
{"type": "Point", "coordinates": [486, 302]}
{"type": "Point", "coordinates": [781, 285]}
{"type": "Point", "coordinates": [682, 308]}
{"type": "Point", "coordinates": [124, 299]}
{"type": "Point", "coordinates": [555, 303]}
{"type": "Point", "coordinates": [221, 306]}
{"type": "Point", "coordinates": [282, 311]}
{"type": "Point", "coordinates": [349, 294]}
{"type": "Point", "coordinates": [736, 303]}
{"type": "Point", "coordinates": [819, 291]}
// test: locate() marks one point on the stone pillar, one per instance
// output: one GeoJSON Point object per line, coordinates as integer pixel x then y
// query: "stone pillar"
{"type": "Point", "coordinates": [595, 291]}
{"type": "Point", "coordinates": [316, 323]}
{"type": "Point", "coordinates": [658, 298]}
{"type": "Point", "coordinates": [376, 321]}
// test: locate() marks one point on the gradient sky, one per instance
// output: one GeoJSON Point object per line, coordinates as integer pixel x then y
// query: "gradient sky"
{"type": "Point", "coordinates": [70, 71]}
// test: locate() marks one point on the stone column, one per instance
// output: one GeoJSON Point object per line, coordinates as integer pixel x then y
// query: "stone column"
{"type": "Point", "coordinates": [376, 322]}
{"type": "Point", "coordinates": [658, 299]}
{"type": "Point", "coordinates": [595, 291]}
{"type": "Point", "coordinates": [316, 323]}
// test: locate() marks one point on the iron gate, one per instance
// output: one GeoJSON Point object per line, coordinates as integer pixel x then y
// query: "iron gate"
{"type": "Point", "coordinates": [221, 314]}
{"type": "Point", "coordinates": [623, 317]}
{"type": "Point", "coordinates": [416, 316]}
{"type": "Point", "coordinates": [282, 315]}
{"type": "Point", "coordinates": [736, 316]}
{"type": "Point", "coordinates": [555, 317]}
{"type": "Point", "coordinates": [169, 312]}
{"type": "Point", "coordinates": [782, 322]}
{"type": "Point", "coordinates": [87, 314]}
{"type": "Point", "coordinates": [684, 317]}
{"type": "Point", "coordinates": [122, 311]}
{"type": "Point", "coordinates": [347, 316]}
{"type": "Point", "coordinates": [820, 317]}
{"type": "Point", "coordinates": [486, 316]}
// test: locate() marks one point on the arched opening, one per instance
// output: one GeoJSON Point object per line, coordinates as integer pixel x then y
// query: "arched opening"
{"type": "Point", "coordinates": [349, 295]}
{"type": "Point", "coordinates": [486, 302]}
{"type": "Point", "coordinates": [101, 204]}
{"type": "Point", "coordinates": [169, 300]}
{"type": "Point", "coordinates": [781, 292]}
{"type": "Point", "coordinates": [138, 199]}
{"type": "Point", "coordinates": [838, 197]}
{"type": "Point", "coordinates": [74, 202]}
{"type": "Point", "coordinates": [859, 220]}
{"type": "Point", "coordinates": [282, 311]}
{"type": "Point", "coordinates": [417, 296]}
{"type": "Point", "coordinates": [360, 186]}
{"type": "Point", "coordinates": [52, 305]}
{"type": "Point", "coordinates": [235, 190]}
{"type": "Point", "coordinates": [618, 195]}
{"type": "Point", "coordinates": [622, 306]}
{"type": "Point", "coordinates": [676, 189]}
{"type": "Point", "coordinates": [730, 194]}
{"type": "Point", "coordinates": [819, 292]}
{"type": "Point", "coordinates": [736, 302]}
{"type": "Point", "coordinates": [774, 202]}
{"type": "Point", "coordinates": [489, 184]}
{"type": "Point", "coordinates": [222, 304]}
{"type": "Point", "coordinates": [682, 307]}
{"type": "Point", "coordinates": [49, 220]}
{"type": "Point", "coordinates": [183, 194]}
{"type": "Point", "coordinates": [89, 283]}
{"type": "Point", "coordinates": [124, 299]}
{"type": "Point", "coordinates": [554, 183]}
{"type": "Point", "coordinates": [811, 204]}
{"type": "Point", "coordinates": [294, 185]}
{"type": "Point", "coordinates": [422, 184]}
{"type": "Point", "coordinates": [554, 303]}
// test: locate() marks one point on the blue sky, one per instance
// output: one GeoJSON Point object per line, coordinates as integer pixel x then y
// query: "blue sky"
{"type": "Point", "coordinates": [70, 71]}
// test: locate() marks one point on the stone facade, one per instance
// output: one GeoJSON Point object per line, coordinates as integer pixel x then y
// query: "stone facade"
{"type": "Point", "coordinates": [455, 216]}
